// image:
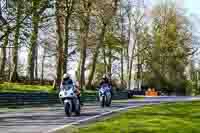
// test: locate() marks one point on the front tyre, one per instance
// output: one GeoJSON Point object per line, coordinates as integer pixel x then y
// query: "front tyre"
{"type": "Point", "coordinates": [109, 102]}
{"type": "Point", "coordinates": [102, 100]}
{"type": "Point", "coordinates": [108, 99]}
{"type": "Point", "coordinates": [78, 108]}
{"type": "Point", "coordinates": [68, 109]}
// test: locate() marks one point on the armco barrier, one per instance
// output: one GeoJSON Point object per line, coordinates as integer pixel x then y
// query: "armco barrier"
{"type": "Point", "coordinates": [7, 99]}
{"type": "Point", "coordinates": [27, 98]}
{"type": "Point", "coordinates": [120, 95]}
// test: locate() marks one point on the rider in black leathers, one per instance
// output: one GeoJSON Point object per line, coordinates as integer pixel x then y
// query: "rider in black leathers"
{"type": "Point", "coordinates": [104, 81]}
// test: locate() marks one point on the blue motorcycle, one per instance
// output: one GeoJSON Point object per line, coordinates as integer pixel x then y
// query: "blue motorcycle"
{"type": "Point", "coordinates": [105, 97]}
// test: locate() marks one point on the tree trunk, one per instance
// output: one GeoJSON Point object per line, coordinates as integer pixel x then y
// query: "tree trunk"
{"type": "Point", "coordinates": [3, 54]}
{"type": "Point", "coordinates": [131, 66]}
{"type": "Point", "coordinates": [103, 31]}
{"type": "Point", "coordinates": [95, 56]}
{"type": "Point", "coordinates": [78, 71]}
{"type": "Point", "coordinates": [85, 24]}
{"type": "Point", "coordinates": [122, 68]}
{"type": "Point", "coordinates": [36, 62]}
{"type": "Point", "coordinates": [14, 75]}
{"type": "Point", "coordinates": [127, 48]}
{"type": "Point", "coordinates": [10, 63]}
{"type": "Point", "coordinates": [69, 5]}
{"type": "Point", "coordinates": [109, 62]}
{"type": "Point", "coordinates": [60, 18]}
{"type": "Point", "coordinates": [104, 59]}
{"type": "Point", "coordinates": [43, 61]}
{"type": "Point", "coordinates": [2, 19]}
{"type": "Point", "coordinates": [33, 45]}
{"type": "Point", "coordinates": [66, 44]}
{"type": "Point", "coordinates": [83, 54]}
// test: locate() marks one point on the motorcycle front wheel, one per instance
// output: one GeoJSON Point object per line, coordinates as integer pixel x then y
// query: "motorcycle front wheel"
{"type": "Point", "coordinates": [78, 108]}
{"type": "Point", "coordinates": [108, 100]}
{"type": "Point", "coordinates": [102, 100]}
{"type": "Point", "coordinates": [68, 109]}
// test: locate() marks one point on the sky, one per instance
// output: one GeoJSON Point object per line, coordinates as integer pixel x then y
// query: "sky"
{"type": "Point", "coordinates": [192, 10]}
{"type": "Point", "coordinates": [193, 6]}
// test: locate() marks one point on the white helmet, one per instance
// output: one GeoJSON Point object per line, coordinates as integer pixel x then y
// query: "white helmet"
{"type": "Point", "coordinates": [66, 76]}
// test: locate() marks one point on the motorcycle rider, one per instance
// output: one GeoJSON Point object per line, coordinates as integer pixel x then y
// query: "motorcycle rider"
{"type": "Point", "coordinates": [106, 81]}
{"type": "Point", "coordinates": [68, 81]}
{"type": "Point", "coordinates": [78, 92]}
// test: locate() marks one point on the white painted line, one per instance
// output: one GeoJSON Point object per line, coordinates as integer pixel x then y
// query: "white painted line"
{"type": "Point", "coordinates": [92, 118]}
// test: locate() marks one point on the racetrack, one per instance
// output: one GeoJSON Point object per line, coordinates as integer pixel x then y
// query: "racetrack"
{"type": "Point", "coordinates": [47, 119]}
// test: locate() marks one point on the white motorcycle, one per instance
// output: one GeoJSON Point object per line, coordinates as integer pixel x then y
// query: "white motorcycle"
{"type": "Point", "coordinates": [105, 95]}
{"type": "Point", "coordinates": [70, 100]}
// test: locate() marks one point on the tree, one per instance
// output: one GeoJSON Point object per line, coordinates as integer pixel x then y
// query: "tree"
{"type": "Point", "coordinates": [85, 9]}
{"type": "Point", "coordinates": [137, 24]}
{"type": "Point", "coordinates": [19, 12]}
{"type": "Point", "coordinates": [69, 7]}
{"type": "Point", "coordinates": [38, 8]}
{"type": "Point", "coordinates": [2, 19]}
{"type": "Point", "coordinates": [122, 18]}
{"type": "Point", "coordinates": [170, 51]}
{"type": "Point", "coordinates": [60, 19]}
{"type": "Point", "coordinates": [128, 9]}
{"type": "Point", "coordinates": [34, 36]}
{"type": "Point", "coordinates": [3, 52]}
{"type": "Point", "coordinates": [106, 19]}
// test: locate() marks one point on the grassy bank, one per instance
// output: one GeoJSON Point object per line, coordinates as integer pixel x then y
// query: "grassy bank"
{"type": "Point", "coordinates": [20, 88]}
{"type": "Point", "coordinates": [164, 118]}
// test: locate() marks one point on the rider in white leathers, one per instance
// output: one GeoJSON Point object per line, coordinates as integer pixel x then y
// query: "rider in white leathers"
{"type": "Point", "coordinates": [68, 81]}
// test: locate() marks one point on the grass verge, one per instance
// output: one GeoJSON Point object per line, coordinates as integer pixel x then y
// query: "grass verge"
{"type": "Point", "coordinates": [20, 88]}
{"type": "Point", "coordinates": [164, 118]}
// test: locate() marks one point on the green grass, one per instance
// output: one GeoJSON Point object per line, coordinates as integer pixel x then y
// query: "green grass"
{"type": "Point", "coordinates": [20, 88]}
{"type": "Point", "coordinates": [164, 118]}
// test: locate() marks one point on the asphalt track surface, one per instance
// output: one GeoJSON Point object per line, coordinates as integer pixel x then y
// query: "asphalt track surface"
{"type": "Point", "coordinates": [47, 119]}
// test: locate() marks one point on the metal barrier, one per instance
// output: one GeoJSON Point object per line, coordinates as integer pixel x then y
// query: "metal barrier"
{"type": "Point", "coordinates": [7, 99]}
{"type": "Point", "coordinates": [14, 99]}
